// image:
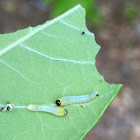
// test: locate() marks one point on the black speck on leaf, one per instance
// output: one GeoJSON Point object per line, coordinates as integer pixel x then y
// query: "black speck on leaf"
{"type": "Point", "coordinates": [83, 33]}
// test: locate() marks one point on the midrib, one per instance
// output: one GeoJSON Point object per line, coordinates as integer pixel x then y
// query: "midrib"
{"type": "Point", "coordinates": [21, 40]}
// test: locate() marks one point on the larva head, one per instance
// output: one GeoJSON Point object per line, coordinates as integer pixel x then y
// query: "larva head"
{"type": "Point", "coordinates": [58, 103]}
{"type": "Point", "coordinates": [9, 106]}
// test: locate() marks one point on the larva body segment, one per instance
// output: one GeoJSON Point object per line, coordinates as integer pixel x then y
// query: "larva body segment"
{"type": "Point", "coordinates": [76, 99]}
{"type": "Point", "coordinates": [58, 111]}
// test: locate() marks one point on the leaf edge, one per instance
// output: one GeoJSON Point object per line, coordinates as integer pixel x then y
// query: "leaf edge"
{"type": "Point", "coordinates": [100, 116]}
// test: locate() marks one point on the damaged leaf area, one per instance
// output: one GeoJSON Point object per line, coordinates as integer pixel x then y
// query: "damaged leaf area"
{"type": "Point", "coordinates": [41, 64]}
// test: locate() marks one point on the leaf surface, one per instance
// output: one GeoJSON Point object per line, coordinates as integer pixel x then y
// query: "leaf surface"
{"type": "Point", "coordinates": [40, 64]}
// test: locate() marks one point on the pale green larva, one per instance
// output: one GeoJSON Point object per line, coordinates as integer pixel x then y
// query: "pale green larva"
{"type": "Point", "coordinates": [76, 99]}
{"type": "Point", "coordinates": [58, 111]}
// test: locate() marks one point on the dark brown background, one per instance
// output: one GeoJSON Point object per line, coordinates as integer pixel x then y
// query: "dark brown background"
{"type": "Point", "coordinates": [118, 60]}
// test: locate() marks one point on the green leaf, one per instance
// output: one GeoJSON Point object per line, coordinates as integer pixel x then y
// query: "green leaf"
{"type": "Point", "coordinates": [40, 64]}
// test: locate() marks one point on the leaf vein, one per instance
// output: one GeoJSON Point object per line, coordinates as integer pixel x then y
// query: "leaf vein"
{"type": "Point", "coordinates": [57, 59]}
{"type": "Point", "coordinates": [15, 70]}
{"type": "Point", "coordinates": [40, 28]}
{"type": "Point", "coordinates": [65, 23]}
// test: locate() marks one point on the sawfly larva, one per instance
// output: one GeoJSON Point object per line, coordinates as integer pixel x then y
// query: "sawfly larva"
{"type": "Point", "coordinates": [58, 111]}
{"type": "Point", "coordinates": [76, 99]}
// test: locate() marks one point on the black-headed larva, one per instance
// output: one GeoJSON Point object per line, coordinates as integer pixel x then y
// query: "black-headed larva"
{"type": "Point", "coordinates": [76, 99]}
{"type": "Point", "coordinates": [8, 107]}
